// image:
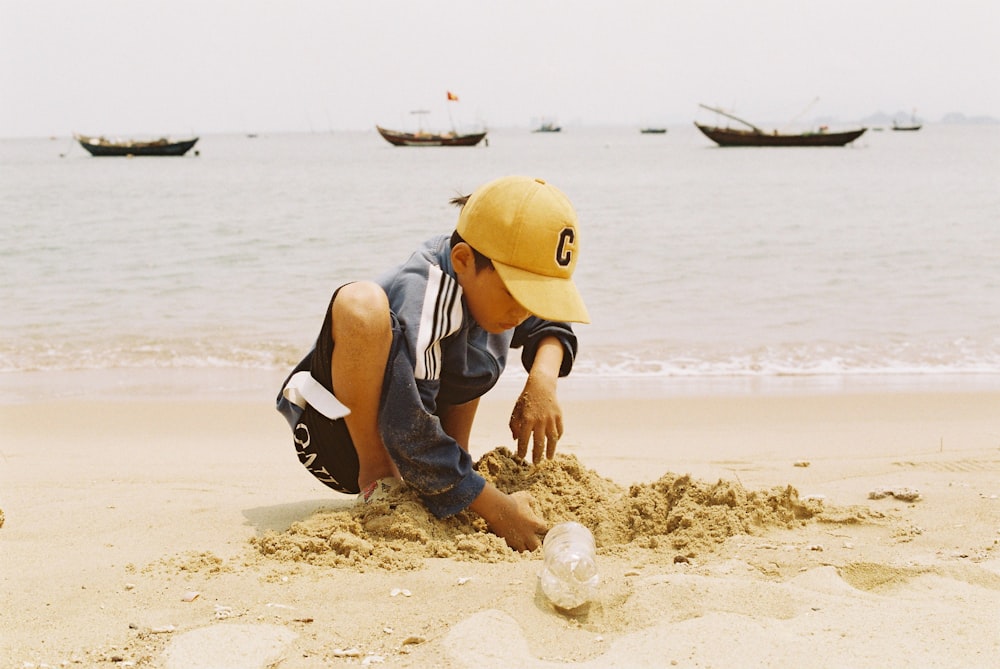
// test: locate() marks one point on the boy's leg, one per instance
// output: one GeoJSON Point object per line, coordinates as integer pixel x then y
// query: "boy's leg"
{"type": "Point", "coordinates": [362, 337]}
{"type": "Point", "coordinates": [457, 419]}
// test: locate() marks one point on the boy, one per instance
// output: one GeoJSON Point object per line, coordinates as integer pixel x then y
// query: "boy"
{"type": "Point", "coordinates": [390, 390]}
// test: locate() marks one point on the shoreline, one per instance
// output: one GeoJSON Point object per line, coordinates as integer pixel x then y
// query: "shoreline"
{"type": "Point", "coordinates": [239, 384]}
{"type": "Point", "coordinates": [129, 521]}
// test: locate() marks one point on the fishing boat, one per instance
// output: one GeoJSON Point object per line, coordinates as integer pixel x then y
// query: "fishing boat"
{"type": "Point", "coordinates": [911, 127]}
{"type": "Point", "coordinates": [754, 136]}
{"type": "Point", "coordinates": [548, 126]}
{"type": "Point", "coordinates": [101, 146]}
{"type": "Point", "coordinates": [421, 138]}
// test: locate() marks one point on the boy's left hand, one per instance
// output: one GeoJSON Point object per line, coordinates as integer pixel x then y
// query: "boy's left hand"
{"type": "Point", "coordinates": [537, 417]}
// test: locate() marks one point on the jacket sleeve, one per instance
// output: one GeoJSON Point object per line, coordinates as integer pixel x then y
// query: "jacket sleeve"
{"type": "Point", "coordinates": [427, 458]}
{"type": "Point", "coordinates": [426, 304]}
{"type": "Point", "coordinates": [529, 333]}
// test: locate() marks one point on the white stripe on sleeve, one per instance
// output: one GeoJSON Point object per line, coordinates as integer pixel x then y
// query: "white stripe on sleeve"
{"type": "Point", "coordinates": [440, 316]}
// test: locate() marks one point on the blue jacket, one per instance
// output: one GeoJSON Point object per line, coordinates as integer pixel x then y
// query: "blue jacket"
{"type": "Point", "coordinates": [440, 355]}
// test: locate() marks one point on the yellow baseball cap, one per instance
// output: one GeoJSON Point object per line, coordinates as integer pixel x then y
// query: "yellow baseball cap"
{"type": "Point", "coordinates": [528, 228]}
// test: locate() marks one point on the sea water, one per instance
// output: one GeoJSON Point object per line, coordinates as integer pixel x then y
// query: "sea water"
{"type": "Point", "coordinates": [745, 267]}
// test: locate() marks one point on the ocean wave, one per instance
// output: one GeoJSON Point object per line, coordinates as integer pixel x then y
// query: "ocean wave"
{"type": "Point", "coordinates": [802, 360]}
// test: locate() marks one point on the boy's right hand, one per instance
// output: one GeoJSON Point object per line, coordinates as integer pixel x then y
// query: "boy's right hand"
{"type": "Point", "coordinates": [511, 517]}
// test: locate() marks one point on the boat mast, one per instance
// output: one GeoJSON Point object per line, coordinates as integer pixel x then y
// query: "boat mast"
{"type": "Point", "coordinates": [802, 113]}
{"type": "Point", "coordinates": [735, 118]}
{"type": "Point", "coordinates": [420, 119]}
{"type": "Point", "coordinates": [451, 98]}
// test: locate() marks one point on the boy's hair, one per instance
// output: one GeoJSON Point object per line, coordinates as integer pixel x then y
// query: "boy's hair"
{"type": "Point", "coordinates": [482, 262]}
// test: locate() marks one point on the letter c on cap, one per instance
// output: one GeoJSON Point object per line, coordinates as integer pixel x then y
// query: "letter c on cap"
{"type": "Point", "coordinates": [564, 250]}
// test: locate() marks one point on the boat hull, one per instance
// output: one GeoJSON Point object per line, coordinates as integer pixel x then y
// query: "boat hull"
{"type": "Point", "coordinates": [397, 138]}
{"type": "Point", "coordinates": [101, 147]}
{"type": "Point", "coordinates": [733, 137]}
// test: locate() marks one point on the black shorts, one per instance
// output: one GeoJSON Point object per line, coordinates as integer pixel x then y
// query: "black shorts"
{"type": "Point", "coordinates": [324, 445]}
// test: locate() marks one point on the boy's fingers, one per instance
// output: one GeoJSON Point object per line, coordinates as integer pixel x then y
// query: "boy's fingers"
{"type": "Point", "coordinates": [550, 447]}
{"type": "Point", "coordinates": [554, 437]}
{"type": "Point", "coordinates": [538, 445]}
{"type": "Point", "coordinates": [522, 445]}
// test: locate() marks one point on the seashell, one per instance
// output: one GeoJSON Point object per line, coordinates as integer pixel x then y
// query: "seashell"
{"type": "Point", "coordinates": [190, 596]}
{"type": "Point", "coordinates": [413, 640]}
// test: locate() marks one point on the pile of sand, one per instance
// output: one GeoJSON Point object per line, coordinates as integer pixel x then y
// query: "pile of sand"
{"type": "Point", "coordinates": [676, 516]}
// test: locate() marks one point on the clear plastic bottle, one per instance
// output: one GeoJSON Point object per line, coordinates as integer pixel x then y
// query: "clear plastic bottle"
{"type": "Point", "coordinates": [569, 576]}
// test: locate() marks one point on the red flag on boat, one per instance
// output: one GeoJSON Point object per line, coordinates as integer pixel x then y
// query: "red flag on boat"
{"type": "Point", "coordinates": [452, 97]}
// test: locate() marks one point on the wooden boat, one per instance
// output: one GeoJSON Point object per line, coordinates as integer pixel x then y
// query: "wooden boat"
{"type": "Point", "coordinates": [754, 136]}
{"type": "Point", "coordinates": [101, 146]}
{"type": "Point", "coordinates": [912, 127]}
{"type": "Point", "coordinates": [421, 138]}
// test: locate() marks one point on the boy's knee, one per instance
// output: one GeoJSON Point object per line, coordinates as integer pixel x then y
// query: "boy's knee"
{"type": "Point", "coordinates": [361, 306]}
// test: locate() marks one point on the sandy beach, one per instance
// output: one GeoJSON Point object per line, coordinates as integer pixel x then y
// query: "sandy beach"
{"type": "Point", "coordinates": [840, 529]}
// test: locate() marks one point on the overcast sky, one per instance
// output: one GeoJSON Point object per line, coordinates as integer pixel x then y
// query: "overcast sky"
{"type": "Point", "coordinates": [203, 66]}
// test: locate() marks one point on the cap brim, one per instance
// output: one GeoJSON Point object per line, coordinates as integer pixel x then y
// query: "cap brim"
{"type": "Point", "coordinates": [548, 297]}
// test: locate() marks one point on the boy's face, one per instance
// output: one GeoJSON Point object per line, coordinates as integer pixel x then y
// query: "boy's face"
{"type": "Point", "coordinates": [490, 303]}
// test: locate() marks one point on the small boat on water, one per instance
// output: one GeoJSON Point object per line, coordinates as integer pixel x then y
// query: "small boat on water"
{"type": "Point", "coordinates": [913, 126]}
{"type": "Point", "coordinates": [421, 138]}
{"type": "Point", "coordinates": [755, 136]}
{"type": "Point", "coordinates": [653, 131]}
{"type": "Point", "coordinates": [548, 127]}
{"type": "Point", "coordinates": [101, 146]}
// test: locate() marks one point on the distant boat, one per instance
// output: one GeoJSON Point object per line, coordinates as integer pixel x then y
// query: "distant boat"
{"type": "Point", "coordinates": [913, 125]}
{"type": "Point", "coordinates": [548, 127]}
{"type": "Point", "coordinates": [653, 131]}
{"type": "Point", "coordinates": [757, 137]}
{"type": "Point", "coordinates": [421, 138]}
{"type": "Point", "coordinates": [101, 146]}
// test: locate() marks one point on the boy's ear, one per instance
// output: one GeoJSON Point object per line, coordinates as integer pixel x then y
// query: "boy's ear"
{"type": "Point", "coordinates": [462, 257]}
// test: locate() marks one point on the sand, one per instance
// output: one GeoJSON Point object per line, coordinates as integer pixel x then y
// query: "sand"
{"type": "Point", "coordinates": [838, 529]}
